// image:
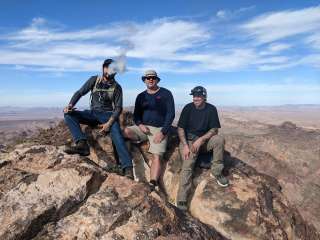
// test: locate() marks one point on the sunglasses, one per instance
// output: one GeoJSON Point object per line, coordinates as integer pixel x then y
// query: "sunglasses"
{"type": "Point", "coordinates": [151, 78]}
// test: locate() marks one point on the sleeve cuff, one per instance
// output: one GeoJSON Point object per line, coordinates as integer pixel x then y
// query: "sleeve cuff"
{"type": "Point", "coordinates": [137, 122]}
{"type": "Point", "coordinates": [165, 130]}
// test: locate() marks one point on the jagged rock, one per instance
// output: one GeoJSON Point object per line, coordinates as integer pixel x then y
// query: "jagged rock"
{"type": "Point", "coordinates": [9, 178]}
{"type": "Point", "coordinates": [101, 148]}
{"type": "Point", "coordinates": [288, 125]}
{"type": "Point", "coordinates": [48, 195]}
{"type": "Point", "coordinates": [59, 196]}
{"type": "Point", "coordinates": [123, 209]}
{"type": "Point", "coordinates": [3, 147]}
{"type": "Point", "coordinates": [291, 155]}
{"type": "Point", "coordinates": [253, 207]}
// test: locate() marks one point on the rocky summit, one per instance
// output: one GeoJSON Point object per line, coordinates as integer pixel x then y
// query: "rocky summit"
{"type": "Point", "coordinates": [47, 194]}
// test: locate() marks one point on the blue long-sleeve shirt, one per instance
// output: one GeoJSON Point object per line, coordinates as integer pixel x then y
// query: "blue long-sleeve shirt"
{"type": "Point", "coordinates": [156, 109]}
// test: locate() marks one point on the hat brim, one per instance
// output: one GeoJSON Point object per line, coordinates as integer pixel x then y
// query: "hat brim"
{"type": "Point", "coordinates": [197, 94]}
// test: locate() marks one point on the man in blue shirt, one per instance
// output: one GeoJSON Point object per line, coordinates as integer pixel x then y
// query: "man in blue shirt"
{"type": "Point", "coordinates": [154, 112]}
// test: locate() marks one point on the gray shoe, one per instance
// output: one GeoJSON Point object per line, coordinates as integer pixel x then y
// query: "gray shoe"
{"type": "Point", "coordinates": [182, 205]}
{"type": "Point", "coordinates": [221, 180]}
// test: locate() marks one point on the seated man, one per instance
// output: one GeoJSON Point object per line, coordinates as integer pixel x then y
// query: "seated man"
{"type": "Point", "coordinates": [105, 108]}
{"type": "Point", "coordinates": [198, 132]}
{"type": "Point", "coordinates": [153, 116]}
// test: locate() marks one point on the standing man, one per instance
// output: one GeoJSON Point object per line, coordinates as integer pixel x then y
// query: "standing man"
{"type": "Point", "coordinates": [198, 132]}
{"type": "Point", "coordinates": [153, 115]}
{"type": "Point", "coordinates": [105, 108]}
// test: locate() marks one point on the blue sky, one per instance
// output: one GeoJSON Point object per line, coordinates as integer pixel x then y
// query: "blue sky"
{"type": "Point", "coordinates": [244, 52]}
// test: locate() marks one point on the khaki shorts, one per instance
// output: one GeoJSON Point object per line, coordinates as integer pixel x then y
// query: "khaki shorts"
{"type": "Point", "coordinates": [155, 148]}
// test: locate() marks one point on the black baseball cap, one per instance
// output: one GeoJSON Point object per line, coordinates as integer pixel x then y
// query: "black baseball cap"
{"type": "Point", "coordinates": [199, 91]}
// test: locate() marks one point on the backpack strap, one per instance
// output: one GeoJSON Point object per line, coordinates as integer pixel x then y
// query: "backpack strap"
{"type": "Point", "coordinates": [110, 91]}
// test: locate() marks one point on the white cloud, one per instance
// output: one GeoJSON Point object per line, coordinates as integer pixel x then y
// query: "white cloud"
{"type": "Point", "coordinates": [41, 32]}
{"type": "Point", "coordinates": [167, 44]}
{"type": "Point", "coordinates": [222, 14]}
{"type": "Point", "coordinates": [225, 14]}
{"type": "Point", "coordinates": [314, 40]}
{"type": "Point", "coordinates": [275, 48]}
{"type": "Point", "coordinates": [278, 25]}
{"type": "Point", "coordinates": [49, 48]}
{"type": "Point", "coordinates": [313, 60]}
{"type": "Point", "coordinates": [230, 60]}
{"type": "Point", "coordinates": [162, 39]}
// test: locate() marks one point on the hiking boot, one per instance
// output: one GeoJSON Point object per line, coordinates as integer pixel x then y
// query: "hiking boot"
{"type": "Point", "coordinates": [182, 205]}
{"type": "Point", "coordinates": [221, 180]}
{"type": "Point", "coordinates": [128, 172]}
{"type": "Point", "coordinates": [113, 168]}
{"type": "Point", "coordinates": [81, 147]}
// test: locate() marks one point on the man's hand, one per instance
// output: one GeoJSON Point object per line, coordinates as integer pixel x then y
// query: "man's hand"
{"type": "Point", "coordinates": [144, 129]}
{"type": "Point", "coordinates": [158, 137]}
{"type": "Point", "coordinates": [68, 109]}
{"type": "Point", "coordinates": [196, 145]}
{"type": "Point", "coordinates": [186, 152]}
{"type": "Point", "coordinates": [105, 127]}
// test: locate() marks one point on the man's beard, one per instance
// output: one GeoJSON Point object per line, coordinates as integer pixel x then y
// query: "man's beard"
{"type": "Point", "coordinates": [106, 75]}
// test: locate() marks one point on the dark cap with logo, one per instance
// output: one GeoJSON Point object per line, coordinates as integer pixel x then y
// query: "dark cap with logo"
{"type": "Point", "coordinates": [199, 91]}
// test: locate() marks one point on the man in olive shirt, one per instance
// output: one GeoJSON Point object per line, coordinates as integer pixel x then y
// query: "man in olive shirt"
{"type": "Point", "coordinates": [105, 108]}
{"type": "Point", "coordinates": [198, 132]}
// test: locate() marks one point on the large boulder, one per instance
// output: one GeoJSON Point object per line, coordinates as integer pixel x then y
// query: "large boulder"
{"type": "Point", "coordinates": [124, 209]}
{"type": "Point", "coordinates": [43, 192]}
{"type": "Point", "coordinates": [252, 207]}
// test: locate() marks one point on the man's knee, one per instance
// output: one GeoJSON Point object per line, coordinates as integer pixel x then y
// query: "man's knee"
{"type": "Point", "coordinates": [220, 139]}
{"type": "Point", "coordinates": [127, 132]}
{"type": "Point", "coordinates": [217, 140]}
{"type": "Point", "coordinates": [67, 116]}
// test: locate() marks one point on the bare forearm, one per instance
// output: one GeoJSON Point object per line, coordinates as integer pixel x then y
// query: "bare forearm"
{"type": "Point", "coordinates": [210, 133]}
{"type": "Point", "coordinates": [110, 121]}
{"type": "Point", "coordinates": [182, 136]}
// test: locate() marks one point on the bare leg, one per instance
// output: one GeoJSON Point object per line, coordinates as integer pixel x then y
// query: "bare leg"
{"type": "Point", "coordinates": [155, 169]}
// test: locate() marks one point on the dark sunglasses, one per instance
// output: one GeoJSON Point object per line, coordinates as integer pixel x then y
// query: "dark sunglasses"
{"type": "Point", "coordinates": [151, 78]}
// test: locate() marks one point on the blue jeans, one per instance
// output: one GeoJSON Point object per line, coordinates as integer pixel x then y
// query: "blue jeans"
{"type": "Point", "coordinates": [93, 118]}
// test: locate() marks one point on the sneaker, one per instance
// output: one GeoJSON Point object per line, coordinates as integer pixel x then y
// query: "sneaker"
{"type": "Point", "coordinates": [81, 147]}
{"type": "Point", "coordinates": [128, 172]}
{"type": "Point", "coordinates": [153, 185]}
{"type": "Point", "coordinates": [221, 180]}
{"type": "Point", "coordinates": [182, 205]}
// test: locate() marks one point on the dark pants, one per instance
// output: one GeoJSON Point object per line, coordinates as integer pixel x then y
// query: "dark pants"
{"type": "Point", "coordinates": [93, 118]}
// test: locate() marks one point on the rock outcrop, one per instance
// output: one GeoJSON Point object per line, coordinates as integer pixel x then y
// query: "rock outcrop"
{"type": "Point", "coordinates": [253, 207]}
{"type": "Point", "coordinates": [46, 194]}
{"type": "Point", "coordinates": [286, 152]}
